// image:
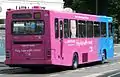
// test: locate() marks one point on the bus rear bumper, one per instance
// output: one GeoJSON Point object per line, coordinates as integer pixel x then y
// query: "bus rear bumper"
{"type": "Point", "coordinates": [28, 62]}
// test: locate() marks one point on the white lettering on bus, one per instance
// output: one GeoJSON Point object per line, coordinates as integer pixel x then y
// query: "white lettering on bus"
{"type": "Point", "coordinates": [78, 43]}
{"type": "Point", "coordinates": [24, 50]}
{"type": "Point", "coordinates": [90, 49]}
{"type": "Point", "coordinates": [82, 17]}
{"type": "Point", "coordinates": [27, 45]}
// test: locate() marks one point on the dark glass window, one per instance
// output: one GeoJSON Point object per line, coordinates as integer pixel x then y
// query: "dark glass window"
{"type": "Point", "coordinates": [2, 24]}
{"type": "Point", "coordinates": [66, 28]}
{"type": "Point", "coordinates": [89, 29]}
{"type": "Point", "coordinates": [110, 29]}
{"type": "Point", "coordinates": [61, 29]}
{"type": "Point", "coordinates": [96, 29]}
{"type": "Point", "coordinates": [103, 29]}
{"type": "Point", "coordinates": [28, 27]}
{"type": "Point", "coordinates": [21, 15]}
{"type": "Point", "coordinates": [56, 28]}
{"type": "Point", "coordinates": [77, 29]}
{"type": "Point", "coordinates": [81, 29]}
{"type": "Point", "coordinates": [2, 21]}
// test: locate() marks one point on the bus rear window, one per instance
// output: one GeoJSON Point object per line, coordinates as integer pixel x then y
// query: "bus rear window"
{"type": "Point", "coordinates": [21, 16]}
{"type": "Point", "coordinates": [28, 27]}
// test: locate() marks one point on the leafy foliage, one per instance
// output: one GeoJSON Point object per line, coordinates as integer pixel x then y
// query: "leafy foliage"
{"type": "Point", "coordinates": [114, 10]}
{"type": "Point", "coordinates": [104, 7]}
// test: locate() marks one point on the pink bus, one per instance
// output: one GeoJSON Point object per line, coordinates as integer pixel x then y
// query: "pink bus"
{"type": "Point", "coordinates": [44, 37]}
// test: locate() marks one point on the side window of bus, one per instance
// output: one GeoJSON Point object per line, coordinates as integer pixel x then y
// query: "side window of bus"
{"type": "Point", "coordinates": [89, 29]}
{"type": "Point", "coordinates": [56, 28]}
{"type": "Point", "coordinates": [61, 29]}
{"type": "Point", "coordinates": [66, 28]}
{"type": "Point", "coordinates": [103, 29]}
{"type": "Point", "coordinates": [81, 29]}
{"type": "Point", "coordinates": [110, 28]}
{"type": "Point", "coordinates": [96, 29]}
{"type": "Point", "coordinates": [73, 28]}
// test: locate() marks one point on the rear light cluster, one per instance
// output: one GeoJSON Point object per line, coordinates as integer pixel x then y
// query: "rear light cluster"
{"type": "Point", "coordinates": [7, 54]}
{"type": "Point", "coordinates": [49, 53]}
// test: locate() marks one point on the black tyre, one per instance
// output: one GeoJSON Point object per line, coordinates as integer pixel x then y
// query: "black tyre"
{"type": "Point", "coordinates": [103, 58]}
{"type": "Point", "coordinates": [75, 62]}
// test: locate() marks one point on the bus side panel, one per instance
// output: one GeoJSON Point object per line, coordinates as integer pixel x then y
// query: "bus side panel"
{"type": "Point", "coordinates": [85, 48]}
{"type": "Point", "coordinates": [55, 43]}
{"type": "Point", "coordinates": [8, 38]}
{"type": "Point", "coordinates": [107, 44]}
{"type": "Point", "coordinates": [110, 46]}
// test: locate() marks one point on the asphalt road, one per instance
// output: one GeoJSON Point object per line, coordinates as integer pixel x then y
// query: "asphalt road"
{"type": "Point", "coordinates": [96, 69]}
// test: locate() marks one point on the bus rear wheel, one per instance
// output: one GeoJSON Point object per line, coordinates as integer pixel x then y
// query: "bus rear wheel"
{"type": "Point", "coordinates": [103, 57]}
{"type": "Point", "coordinates": [75, 62]}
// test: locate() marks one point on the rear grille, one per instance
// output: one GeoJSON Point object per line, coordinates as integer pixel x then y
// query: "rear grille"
{"type": "Point", "coordinates": [27, 42]}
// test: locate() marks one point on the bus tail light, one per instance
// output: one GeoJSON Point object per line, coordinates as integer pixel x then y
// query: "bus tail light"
{"type": "Point", "coordinates": [7, 54]}
{"type": "Point", "coordinates": [49, 54]}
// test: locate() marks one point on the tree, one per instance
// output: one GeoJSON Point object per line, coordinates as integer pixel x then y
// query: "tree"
{"type": "Point", "coordinates": [104, 7]}
{"type": "Point", "coordinates": [114, 11]}
{"type": "Point", "coordinates": [68, 3]}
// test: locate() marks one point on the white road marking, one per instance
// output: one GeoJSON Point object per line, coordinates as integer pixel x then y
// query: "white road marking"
{"type": "Point", "coordinates": [88, 67]}
{"type": "Point", "coordinates": [93, 75]}
{"type": "Point", "coordinates": [114, 74]}
{"type": "Point", "coordinates": [82, 69]}
{"type": "Point", "coordinates": [118, 62]}
{"type": "Point", "coordinates": [77, 70]}
{"type": "Point", "coordinates": [53, 75]}
{"type": "Point", "coordinates": [102, 73]}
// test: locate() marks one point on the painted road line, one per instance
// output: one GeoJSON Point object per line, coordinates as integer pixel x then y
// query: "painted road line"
{"type": "Point", "coordinates": [114, 74]}
{"type": "Point", "coordinates": [82, 69]}
{"type": "Point", "coordinates": [119, 62]}
{"type": "Point", "coordinates": [69, 72]}
{"type": "Point", "coordinates": [93, 75]}
{"type": "Point", "coordinates": [53, 75]}
{"type": "Point", "coordinates": [102, 73]}
{"type": "Point", "coordinates": [88, 67]}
